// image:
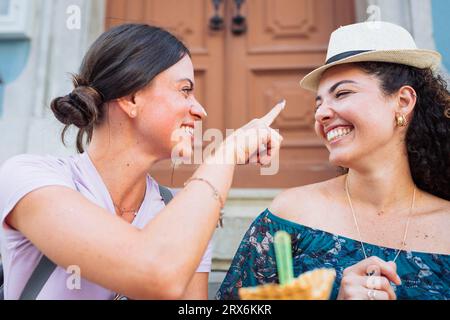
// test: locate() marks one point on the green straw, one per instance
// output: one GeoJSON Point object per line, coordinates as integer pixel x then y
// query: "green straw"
{"type": "Point", "coordinates": [283, 255]}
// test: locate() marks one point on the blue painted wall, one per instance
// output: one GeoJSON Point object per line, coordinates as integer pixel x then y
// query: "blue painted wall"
{"type": "Point", "coordinates": [2, 90]}
{"type": "Point", "coordinates": [441, 28]}
{"type": "Point", "coordinates": [13, 58]}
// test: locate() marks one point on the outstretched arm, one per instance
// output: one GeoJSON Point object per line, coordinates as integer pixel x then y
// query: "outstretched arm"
{"type": "Point", "coordinates": [152, 263]}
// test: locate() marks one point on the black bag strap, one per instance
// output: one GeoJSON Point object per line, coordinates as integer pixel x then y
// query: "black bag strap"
{"type": "Point", "coordinates": [2, 297]}
{"type": "Point", "coordinates": [38, 279]}
{"type": "Point", "coordinates": [1, 272]}
{"type": "Point", "coordinates": [166, 194]}
{"type": "Point", "coordinates": [46, 267]}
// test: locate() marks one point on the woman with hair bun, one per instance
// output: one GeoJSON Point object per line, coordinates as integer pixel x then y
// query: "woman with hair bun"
{"type": "Point", "coordinates": [383, 112]}
{"type": "Point", "coordinates": [99, 215]}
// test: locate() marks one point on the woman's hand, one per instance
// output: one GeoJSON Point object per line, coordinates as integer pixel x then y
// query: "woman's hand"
{"type": "Point", "coordinates": [369, 280]}
{"type": "Point", "coordinates": [255, 142]}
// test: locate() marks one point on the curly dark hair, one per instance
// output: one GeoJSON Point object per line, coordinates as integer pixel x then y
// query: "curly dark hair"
{"type": "Point", "coordinates": [428, 135]}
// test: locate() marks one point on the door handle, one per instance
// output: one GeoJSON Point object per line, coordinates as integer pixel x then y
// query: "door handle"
{"type": "Point", "coordinates": [238, 22]}
{"type": "Point", "coordinates": [216, 21]}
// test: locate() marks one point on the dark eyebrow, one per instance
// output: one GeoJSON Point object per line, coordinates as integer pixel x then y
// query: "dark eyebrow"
{"type": "Point", "coordinates": [335, 86]}
{"type": "Point", "coordinates": [188, 80]}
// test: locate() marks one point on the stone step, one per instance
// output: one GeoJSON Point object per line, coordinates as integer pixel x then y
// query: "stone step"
{"type": "Point", "coordinates": [242, 207]}
{"type": "Point", "coordinates": [215, 280]}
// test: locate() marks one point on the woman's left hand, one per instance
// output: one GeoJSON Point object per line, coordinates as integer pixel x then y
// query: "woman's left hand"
{"type": "Point", "coordinates": [369, 280]}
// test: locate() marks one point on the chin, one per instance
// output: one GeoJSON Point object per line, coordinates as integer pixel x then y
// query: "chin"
{"type": "Point", "coordinates": [340, 159]}
{"type": "Point", "coordinates": [188, 155]}
{"type": "Point", "coordinates": [183, 152]}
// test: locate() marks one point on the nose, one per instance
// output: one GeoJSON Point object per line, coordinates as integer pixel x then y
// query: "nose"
{"type": "Point", "coordinates": [324, 113]}
{"type": "Point", "coordinates": [198, 111]}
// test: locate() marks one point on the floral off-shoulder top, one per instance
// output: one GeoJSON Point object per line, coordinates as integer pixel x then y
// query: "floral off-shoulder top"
{"type": "Point", "coordinates": [425, 276]}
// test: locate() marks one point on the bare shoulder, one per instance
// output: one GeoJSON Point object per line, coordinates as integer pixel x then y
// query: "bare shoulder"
{"type": "Point", "coordinates": [435, 208]}
{"type": "Point", "coordinates": [305, 204]}
{"type": "Point", "coordinates": [432, 221]}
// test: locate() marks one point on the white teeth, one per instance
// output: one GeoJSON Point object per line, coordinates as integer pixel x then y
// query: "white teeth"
{"type": "Point", "coordinates": [188, 130]}
{"type": "Point", "coordinates": [337, 133]}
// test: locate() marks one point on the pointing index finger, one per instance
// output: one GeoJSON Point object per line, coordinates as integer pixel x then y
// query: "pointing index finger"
{"type": "Point", "coordinates": [273, 114]}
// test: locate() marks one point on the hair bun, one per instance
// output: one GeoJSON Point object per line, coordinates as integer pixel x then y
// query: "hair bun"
{"type": "Point", "coordinates": [80, 107]}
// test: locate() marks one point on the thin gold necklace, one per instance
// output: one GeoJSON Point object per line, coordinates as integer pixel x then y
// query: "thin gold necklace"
{"type": "Point", "coordinates": [123, 211]}
{"type": "Point", "coordinates": [357, 227]}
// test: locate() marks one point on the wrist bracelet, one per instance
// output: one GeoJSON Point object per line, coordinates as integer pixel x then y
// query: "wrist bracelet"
{"type": "Point", "coordinates": [216, 195]}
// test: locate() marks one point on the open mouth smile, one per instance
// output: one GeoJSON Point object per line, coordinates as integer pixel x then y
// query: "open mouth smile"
{"type": "Point", "coordinates": [338, 133]}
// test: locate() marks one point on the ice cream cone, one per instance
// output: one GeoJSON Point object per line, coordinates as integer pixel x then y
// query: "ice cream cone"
{"type": "Point", "coordinates": [312, 285]}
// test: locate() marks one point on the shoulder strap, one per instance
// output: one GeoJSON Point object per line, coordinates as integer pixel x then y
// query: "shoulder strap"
{"type": "Point", "coordinates": [166, 194]}
{"type": "Point", "coordinates": [38, 279]}
{"type": "Point", "coordinates": [2, 297]}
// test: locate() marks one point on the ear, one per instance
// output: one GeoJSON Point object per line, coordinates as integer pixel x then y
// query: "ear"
{"type": "Point", "coordinates": [128, 105]}
{"type": "Point", "coordinates": [406, 100]}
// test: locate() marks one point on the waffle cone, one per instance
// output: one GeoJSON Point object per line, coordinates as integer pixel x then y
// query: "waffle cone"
{"type": "Point", "coordinates": [312, 285]}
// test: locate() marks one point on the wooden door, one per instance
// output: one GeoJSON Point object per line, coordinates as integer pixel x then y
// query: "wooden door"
{"type": "Point", "coordinates": [286, 39]}
{"type": "Point", "coordinates": [240, 77]}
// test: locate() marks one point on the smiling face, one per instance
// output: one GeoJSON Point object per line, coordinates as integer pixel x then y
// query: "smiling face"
{"type": "Point", "coordinates": [166, 105]}
{"type": "Point", "coordinates": [354, 118]}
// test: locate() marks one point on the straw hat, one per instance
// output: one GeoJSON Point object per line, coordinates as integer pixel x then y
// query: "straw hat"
{"type": "Point", "coordinates": [372, 41]}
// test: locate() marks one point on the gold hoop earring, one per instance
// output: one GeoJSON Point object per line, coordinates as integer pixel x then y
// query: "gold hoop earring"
{"type": "Point", "coordinates": [447, 112]}
{"type": "Point", "coordinates": [401, 120]}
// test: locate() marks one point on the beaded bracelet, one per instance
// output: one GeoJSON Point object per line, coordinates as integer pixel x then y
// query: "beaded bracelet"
{"type": "Point", "coordinates": [216, 195]}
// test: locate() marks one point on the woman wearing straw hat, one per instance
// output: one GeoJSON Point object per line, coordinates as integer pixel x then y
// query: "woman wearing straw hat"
{"type": "Point", "coordinates": [384, 115]}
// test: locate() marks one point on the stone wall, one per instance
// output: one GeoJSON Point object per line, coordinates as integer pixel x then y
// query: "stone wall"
{"type": "Point", "coordinates": [27, 124]}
